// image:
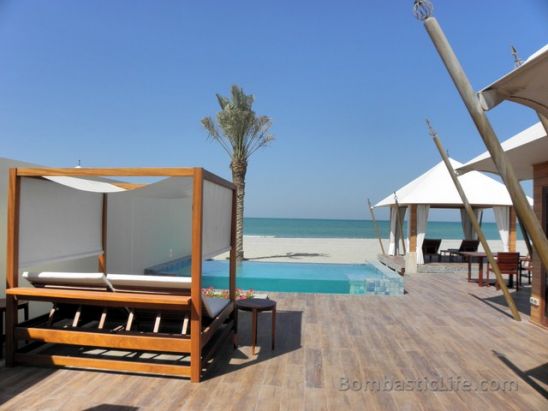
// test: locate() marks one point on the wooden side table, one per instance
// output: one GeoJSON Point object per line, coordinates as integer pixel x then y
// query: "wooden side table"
{"type": "Point", "coordinates": [21, 304]}
{"type": "Point", "coordinates": [256, 305]}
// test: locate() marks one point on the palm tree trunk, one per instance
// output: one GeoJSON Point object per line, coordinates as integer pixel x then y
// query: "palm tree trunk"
{"type": "Point", "coordinates": [239, 169]}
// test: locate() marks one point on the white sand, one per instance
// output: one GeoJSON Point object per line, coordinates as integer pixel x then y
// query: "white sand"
{"type": "Point", "coordinates": [329, 250]}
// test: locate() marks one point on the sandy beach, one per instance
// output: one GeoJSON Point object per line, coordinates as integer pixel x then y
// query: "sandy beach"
{"type": "Point", "coordinates": [329, 250]}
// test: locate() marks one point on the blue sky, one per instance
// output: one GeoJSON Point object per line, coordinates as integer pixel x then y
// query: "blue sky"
{"type": "Point", "coordinates": [347, 84]}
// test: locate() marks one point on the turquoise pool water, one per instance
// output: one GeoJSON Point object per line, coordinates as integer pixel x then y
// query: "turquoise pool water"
{"type": "Point", "coordinates": [296, 277]}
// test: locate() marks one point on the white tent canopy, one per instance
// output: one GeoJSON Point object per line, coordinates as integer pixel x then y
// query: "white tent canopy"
{"type": "Point", "coordinates": [526, 84]}
{"type": "Point", "coordinates": [435, 189]}
{"type": "Point", "coordinates": [522, 150]}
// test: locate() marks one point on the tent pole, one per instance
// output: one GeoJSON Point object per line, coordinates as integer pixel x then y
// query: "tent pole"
{"type": "Point", "coordinates": [377, 229]}
{"type": "Point", "coordinates": [475, 224]}
{"type": "Point", "coordinates": [423, 11]}
{"type": "Point", "coordinates": [400, 223]}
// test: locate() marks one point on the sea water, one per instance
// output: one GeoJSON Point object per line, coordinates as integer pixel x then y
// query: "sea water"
{"type": "Point", "coordinates": [324, 228]}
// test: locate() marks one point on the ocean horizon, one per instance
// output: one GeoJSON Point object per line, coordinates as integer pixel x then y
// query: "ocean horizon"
{"type": "Point", "coordinates": [333, 228]}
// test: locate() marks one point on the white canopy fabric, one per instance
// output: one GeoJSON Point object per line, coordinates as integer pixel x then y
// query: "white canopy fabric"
{"type": "Point", "coordinates": [526, 84]}
{"type": "Point", "coordinates": [57, 223]}
{"type": "Point", "coordinates": [522, 150]}
{"type": "Point", "coordinates": [436, 188]}
{"type": "Point", "coordinates": [217, 217]}
{"type": "Point", "coordinates": [61, 219]}
{"type": "Point", "coordinates": [86, 184]}
{"type": "Point", "coordinates": [467, 228]}
{"type": "Point", "coordinates": [502, 217]}
{"type": "Point", "coordinates": [422, 221]}
{"type": "Point", "coordinates": [397, 216]}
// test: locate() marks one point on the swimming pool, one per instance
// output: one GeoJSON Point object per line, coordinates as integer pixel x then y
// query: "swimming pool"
{"type": "Point", "coordinates": [373, 278]}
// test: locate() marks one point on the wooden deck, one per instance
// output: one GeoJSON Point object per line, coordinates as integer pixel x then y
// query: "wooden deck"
{"type": "Point", "coordinates": [443, 327]}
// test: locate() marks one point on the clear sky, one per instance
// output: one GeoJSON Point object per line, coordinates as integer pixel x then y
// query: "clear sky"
{"type": "Point", "coordinates": [347, 84]}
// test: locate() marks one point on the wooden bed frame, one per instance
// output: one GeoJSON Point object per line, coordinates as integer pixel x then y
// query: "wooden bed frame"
{"type": "Point", "coordinates": [203, 340]}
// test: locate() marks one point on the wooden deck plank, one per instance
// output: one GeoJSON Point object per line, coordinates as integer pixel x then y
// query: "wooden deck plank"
{"type": "Point", "coordinates": [443, 327]}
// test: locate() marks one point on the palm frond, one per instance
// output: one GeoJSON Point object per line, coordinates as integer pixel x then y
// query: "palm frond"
{"type": "Point", "coordinates": [237, 128]}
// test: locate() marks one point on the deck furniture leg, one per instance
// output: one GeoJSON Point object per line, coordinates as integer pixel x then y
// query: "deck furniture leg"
{"type": "Point", "coordinates": [469, 260]}
{"type": "Point", "coordinates": [254, 331]}
{"type": "Point", "coordinates": [157, 323]}
{"type": "Point", "coordinates": [129, 323]}
{"type": "Point", "coordinates": [273, 327]}
{"type": "Point", "coordinates": [480, 272]}
{"type": "Point", "coordinates": [235, 334]}
{"type": "Point", "coordinates": [52, 315]}
{"type": "Point", "coordinates": [77, 316]}
{"type": "Point", "coordinates": [26, 311]}
{"type": "Point", "coordinates": [103, 319]}
{"type": "Point", "coordinates": [184, 330]}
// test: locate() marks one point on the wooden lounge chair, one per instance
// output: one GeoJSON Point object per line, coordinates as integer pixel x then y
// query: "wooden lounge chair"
{"type": "Point", "coordinates": [430, 247]}
{"type": "Point", "coordinates": [508, 264]}
{"type": "Point", "coordinates": [465, 245]}
{"type": "Point", "coordinates": [140, 313]}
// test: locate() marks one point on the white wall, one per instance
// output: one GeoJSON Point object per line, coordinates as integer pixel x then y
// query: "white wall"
{"type": "Point", "coordinates": [143, 232]}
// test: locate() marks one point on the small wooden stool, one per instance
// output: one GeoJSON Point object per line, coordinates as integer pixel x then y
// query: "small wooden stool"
{"type": "Point", "coordinates": [21, 304]}
{"type": "Point", "coordinates": [255, 305]}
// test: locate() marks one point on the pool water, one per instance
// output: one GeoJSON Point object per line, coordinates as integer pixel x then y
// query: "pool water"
{"type": "Point", "coordinates": [296, 277]}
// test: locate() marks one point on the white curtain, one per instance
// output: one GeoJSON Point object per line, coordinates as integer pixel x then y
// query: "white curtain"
{"type": "Point", "coordinates": [422, 220]}
{"type": "Point", "coordinates": [502, 217]}
{"type": "Point", "coordinates": [395, 229]}
{"type": "Point", "coordinates": [217, 216]}
{"type": "Point", "coordinates": [467, 228]}
{"type": "Point", "coordinates": [57, 223]}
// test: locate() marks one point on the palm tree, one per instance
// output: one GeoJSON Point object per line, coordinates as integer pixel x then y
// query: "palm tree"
{"type": "Point", "coordinates": [240, 132]}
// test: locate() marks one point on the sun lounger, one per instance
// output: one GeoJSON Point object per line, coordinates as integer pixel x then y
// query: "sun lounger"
{"type": "Point", "coordinates": [430, 247]}
{"type": "Point", "coordinates": [143, 313]}
{"type": "Point", "coordinates": [465, 245]}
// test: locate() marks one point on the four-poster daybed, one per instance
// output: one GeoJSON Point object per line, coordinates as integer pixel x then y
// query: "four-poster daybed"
{"type": "Point", "coordinates": [53, 210]}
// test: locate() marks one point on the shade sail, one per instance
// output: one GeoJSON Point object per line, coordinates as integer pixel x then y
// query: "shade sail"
{"type": "Point", "coordinates": [523, 150]}
{"type": "Point", "coordinates": [436, 188]}
{"type": "Point", "coordinates": [93, 185]}
{"type": "Point", "coordinates": [526, 84]}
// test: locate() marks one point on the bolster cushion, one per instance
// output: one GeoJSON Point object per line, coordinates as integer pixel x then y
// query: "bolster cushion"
{"type": "Point", "coordinates": [66, 279]}
{"type": "Point", "coordinates": [149, 281]}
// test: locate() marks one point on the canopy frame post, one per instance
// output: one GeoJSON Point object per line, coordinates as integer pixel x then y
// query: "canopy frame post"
{"type": "Point", "coordinates": [196, 272]}
{"type": "Point", "coordinates": [475, 224]}
{"type": "Point", "coordinates": [12, 263]}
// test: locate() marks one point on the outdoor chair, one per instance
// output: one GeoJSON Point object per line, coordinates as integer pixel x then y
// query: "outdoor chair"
{"type": "Point", "coordinates": [465, 245]}
{"type": "Point", "coordinates": [509, 264]}
{"type": "Point", "coordinates": [430, 247]}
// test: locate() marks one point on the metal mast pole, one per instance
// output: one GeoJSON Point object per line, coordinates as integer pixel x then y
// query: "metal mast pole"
{"type": "Point", "coordinates": [423, 12]}
{"type": "Point", "coordinates": [475, 224]}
